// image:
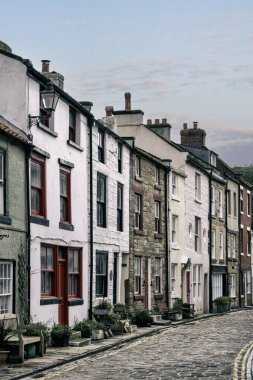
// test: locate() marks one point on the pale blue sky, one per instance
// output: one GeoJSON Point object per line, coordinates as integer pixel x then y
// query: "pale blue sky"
{"type": "Point", "coordinates": [184, 60]}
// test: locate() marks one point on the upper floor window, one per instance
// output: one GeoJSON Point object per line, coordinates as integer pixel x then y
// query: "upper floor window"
{"type": "Point", "coordinates": [137, 164]}
{"type": "Point", "coordinates": [74, 272]}
{"type": "Point", "coordinates": [213, 159]}
{"type": "Point", "coordinates": [6, 287]}
{"type": "Point", "coordinates": [232, 243]}
{"type": "Point", "coordinates": [120, 148]}
{"type": "Point", "coordinates": [197, 234]}
{"type": "Point", "coordinates": [48, 274]}
{"type": "Point", "coordinates": [174, 184]}
{"type": "Point", "coordinates": [173, 278]}
{"type": "Point", "coordinates": [65, 199]}
{"type": "Point", "coordinates": [248, 243]}
{"type": "Point", "coordinates": [213, 247]}
{"type": "Point", "coordinates": [2, 184]}
{"type": "Point", "coordinates": [174, 229]}
{"type": "Point", "coordinates": [221, 246]}
{"type": "Point", "coordinates": [248, 204]}
{"type": "Point", "coordinates": [233, 285]}
{"type": "Point", "coordinates": [220, 204]}
{"type": "Point", "coordinates": [120, 207]}
{"type": "Point", "coordinates": [235, 204]}
{"type": "Point", "coordinates": [241, 201]}
{"type": "Point", "coordinates": [72, 125]}
{"type": "Point", "coordinates": [213, 201]}
{"type": "Point", "coordinates": [229, 202]}
{"type": "Point", "coordinates": [157, 176]}
{"type": "Point", "coordinates": [157, 217]}
{"type": "Point", "coordinates": [38, 189]}
{"type": "Point", "coordinates": [137, 275]}
{"type": "Point", "coordinates": [138, 211]}
{"type": "Point", "coordinates": [101, 200]}
{"type": "Point", "coordinates": [157, 275]}
{"type": "Point", "coordinates": [101, 146]}
{"type": "Point", "coordinates": [197, 186]}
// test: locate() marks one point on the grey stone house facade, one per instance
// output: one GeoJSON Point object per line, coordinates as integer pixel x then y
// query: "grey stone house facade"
{"type": "Point", "coordinates": [14, 227]}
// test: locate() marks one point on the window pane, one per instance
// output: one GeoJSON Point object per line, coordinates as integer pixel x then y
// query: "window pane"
{"type": "Point", "coordinates": [63, 208]}
{"type": "Point", "coordinates": [1, 167]}
{"type": "Point", "coordinates": [70, 261]}
{"type": "Point", "coordinates": [36, 174]}
{"type": "Point", "coordinates": [76, 262]}
{"type": "Point", "coordinates": [63, 184]}
{"type": "Point", "coordinates": [50, 258]}
{"type": "Point", "coordinates": [43, 258]}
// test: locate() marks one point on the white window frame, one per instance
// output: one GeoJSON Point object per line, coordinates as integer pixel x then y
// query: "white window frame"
{"type": "Point", "coordinates": [232, 242]}
{"type": "Point", "coordinates": [248, 282]}
{"type": "Point", "coordinates": [229, 202]}
{"type": "Point", "coordinates": [157, 217]}
{"type": "Point", "coordinates": [137, 274]}
{"type": "Point", "coordinates": [174, 184]}
{"type": "Point", "coordinates": [158, 275]}
{"type": "Point", "coordinates": [213, 201]}
{"type": "Point", "coordinates": [137, 165]}
{"type": "Point", "coordinates": [157, 176]}
{"type": "Point", "coordinates": [235, 204]}
{"type": "Point", "coordinates": [229, 245]}
{"type": "Point", "coordinates": [220, 204]}
{"type": "Point", "coordinates": [197, 187]}
{"type": "Point", "coordinates": [248, 204]}
{"type": "Point", "coordinates": [138, 211]}
{"type": "Point", "coordinates": [6, 286]}
{"type": "Point", "coordinates": [241, 201]}
{"type": "Point", "coordinates": [221, 246]}
{"type": "Point", "coordinates": [197, 234]}
{"type": "Point", "coordinates": [173, 278]}
{"type": "Point", "coordinates": [174, 225]}
{"type": "Point", "coordinates": [196, 281]}
{"type": "Point", "coordinates": [213, 247]}
{"type": "Point", "coordinates": [233, 285]}
{"type": "Point", "coordinates": [217, 285]}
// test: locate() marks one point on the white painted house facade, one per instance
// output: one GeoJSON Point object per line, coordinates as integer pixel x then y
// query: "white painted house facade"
{"type": "Point", "coordinates": [110, 192]}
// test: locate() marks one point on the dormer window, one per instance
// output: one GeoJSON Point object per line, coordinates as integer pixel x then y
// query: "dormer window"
{"type": "Point", "coordinates": [213, 159]}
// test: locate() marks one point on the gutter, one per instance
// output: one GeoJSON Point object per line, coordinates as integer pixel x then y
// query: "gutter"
{"type": "Point", "coordinates": [239, 247]}
{"type": "Point", "coordinates": [167, 237]}
{"type": "Point", "coordinates": [226, 229]}
{"type": "Point", "coordinates": [90, 124]}
{"type": "Point", "coordinates": [210, 244]}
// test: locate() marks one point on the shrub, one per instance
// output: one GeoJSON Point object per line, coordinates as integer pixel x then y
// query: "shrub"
{"type": "Point", "coordinates": [142, 318]}
{"type": "Point", "coordinates": [104, 304]}
{"type": "Point", "coordinates": [33, 329]}
{"type": "Point", "coordinates": [222, 301]}
{"type": "Point", "coordinates": [59, 330]}
{"type": "Point", "coordinates": [86, 327]}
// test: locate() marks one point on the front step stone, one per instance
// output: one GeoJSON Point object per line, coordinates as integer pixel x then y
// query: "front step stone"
{"type": "Point", "coordinates": [80, 342]}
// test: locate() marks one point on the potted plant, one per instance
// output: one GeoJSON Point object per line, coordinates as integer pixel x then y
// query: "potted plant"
{"type": "Point", "coordinates": [119, 308]}
{"type": "Point", "coordinates": [177, 309]}
{"type": "Point", "coordinates": [6, 332]}
{"type": "Point", "coordinates": [60, 335]}
{"type": "Point", "coordinates": [103, 307]}
{"type": "Point", "coordinates": [222, 304]}
{"type": "Point", "coordinates": [142, 318]}
{"type": "Point", "coordinates": [86, 327]}
{"type": "Point", "coordinates": [35, 328]}
{"type": "Point", "coordinates": [97, 330]}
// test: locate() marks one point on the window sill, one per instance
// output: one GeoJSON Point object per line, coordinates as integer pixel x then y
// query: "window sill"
{"type": "Point", "coordinates": [139, 232]}
{"type": "Point", "coordinates": [137, 178]}
{"type": "Point", "coordinates": [158, 296]}
{"type": "Point", "coordinates": [138, 297]}
{"type": "Point", "coordinates": [175, 198]}
{"type": "Point", "coordinates": [214, 261]}
{"type": "Point", "coordinates": [158, 236]}
{"type": "Point", "coordinates": [66, 226]}
{"type": "Point", "coordinates": [47, 130]}
{"type": "Point", "coordinates": [157, 187]}
{"type": "Point", "coordinates": [5, 220]}
{"type": "Point", "coordinates": [241, 212]}
{"type": "Point", "coordinates": [39, 220]}
{"type": "Point", "coordinates": [198, 201]}
{"type": "Point", "coordinates": [221, 219]}
{"type": "Point", "coordinates": [221, 261]}
{"type": "Point", "coordinates": [74, 145]}
{"type": "Point", "coordinates": [175, 246]}
{"type": "Point", "coordinates": [75, 302]}
{"type": "Point", "coordinates": [232, 259]}
{"type": "Point", "coordinates": [50, 301]}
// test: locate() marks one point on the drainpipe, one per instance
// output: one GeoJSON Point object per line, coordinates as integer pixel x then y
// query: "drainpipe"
{"type": "Point", "coordinates": [167, 236]}
{"type": "Point", "coordinates": [90, 125]}
{"type": "Point", "coordinates": [239, 247]}
{"type": "Point", "coordinates": [226, 229]}
{"type": "Point", "coordinates": [210, 244]}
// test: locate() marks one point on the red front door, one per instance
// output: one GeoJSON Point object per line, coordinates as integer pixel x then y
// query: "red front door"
{"type": "Point", "coordinates": [62, 291]}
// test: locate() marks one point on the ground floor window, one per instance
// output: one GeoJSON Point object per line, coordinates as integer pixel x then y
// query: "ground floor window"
{"type": "Point", "coordinates": [233, 286]}
{"type": "Point", "coordinates": [101, 273]}
{"type": "Point", "coordinates": [158, 275]}
{"type": "Point", "coordinates": [137, 275]}
{"type": "Point", "coordinates": [6, 278]}
{"type": "Point", "coordinates": [248, 283]}
{"type": "Point", "coordinates": [217, 288]}
{"type": "Point", "coordinates": [173, 278]}
{"type": "Point", "coordinates": [61, 271]}
{"type": "Point", "coordinates": [196, 281]}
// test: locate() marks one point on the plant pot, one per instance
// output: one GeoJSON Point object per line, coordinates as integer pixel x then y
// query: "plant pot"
{"type": "Point", "coordinates": [61, 340]}
{"type": "Point", "coordinates": [97, 334]}
{"type": "Point", "coordinates": [4, 355]}
{"type": "Point", "coordinates": [221, 308]}
{"type": "Point", "coordinates": [101, 311]}
{"type": "Point", "coordinates": [178, 317]}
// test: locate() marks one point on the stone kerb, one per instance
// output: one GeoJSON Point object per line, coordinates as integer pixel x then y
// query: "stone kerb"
{"type": "Point", "coordinates": [242, 365]}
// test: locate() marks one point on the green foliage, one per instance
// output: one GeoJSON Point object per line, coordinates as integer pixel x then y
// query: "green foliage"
{"type": "Point", "coordinates": [59, 330]}
{"type": "Point", "coordinates": [33, 329]}
{"type": "Point", "coordinates": [6, 331]}
{"type": "Point", "coordinates": [86, 327]}
{"type": "Point", "coordinates": [177, 305]}
{"type": "Point", "coordinates": [104, 304]}
{"type": "Point", "coordinates": [222, 301]}
{"type": "Point", "coordinates": [142, 318]}
{"type": "Point", "coordinates": [246, 173]}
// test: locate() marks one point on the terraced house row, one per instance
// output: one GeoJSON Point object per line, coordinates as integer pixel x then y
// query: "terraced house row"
{"type": "Point", "coordinates": [110, 207]}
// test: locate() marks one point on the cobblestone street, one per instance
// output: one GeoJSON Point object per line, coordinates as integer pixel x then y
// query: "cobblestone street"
{"type": "Point", "coordinates": [201, 349]}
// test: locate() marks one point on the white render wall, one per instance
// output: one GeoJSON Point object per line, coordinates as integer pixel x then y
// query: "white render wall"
{"type": "Point", "coordinates": [200, 209]}
{"type": "Point", "coordinates": [57, 147]}
{"type": "Point", "coordinates": [109, 239]}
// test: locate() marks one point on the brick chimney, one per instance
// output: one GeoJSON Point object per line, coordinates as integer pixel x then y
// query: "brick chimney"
{"type": "Point", "coordinates": [194, 137]}
{"type": "Point", "coordinates": [55, 77]}
{"type": "Point", "coordinates": [161, 128]}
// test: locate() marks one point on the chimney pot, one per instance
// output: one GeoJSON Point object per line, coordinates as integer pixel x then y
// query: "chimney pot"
{"type": "Point", "coordinates": [127, 101]}
{"type": "Point", "coordinates": [185, 125]}
{"type": "Point", "coordinates": [164, 121]}
{"type": "Point", "coordinates": [109, 110]}
{"type": "Point", "coordinates": [195, 124]}
{"type": "Point", "coordinates": [149, 122]}
{"type": "Point", "coordinates": [157, 121]}
{"type": "Point", "coordinates": [45, 65]}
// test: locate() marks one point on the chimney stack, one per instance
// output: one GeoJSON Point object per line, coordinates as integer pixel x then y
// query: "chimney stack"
{"type": "Point", "coordinates": [108, 110]}
{"type": "Point", "coordinates": [127, 101]}
{"type": "Point", "coordinates": [193, 137]}
{"type": "Point", "coordinates": [45, 65]}
{"type": "Point", "coordinates": [157, 121]}
{"type": "Point", "coordinates": [164, 121]}
{"type": "Point", "coordinates": [149, 122]}
{"type": "Point", "coordinates": [162, 129]}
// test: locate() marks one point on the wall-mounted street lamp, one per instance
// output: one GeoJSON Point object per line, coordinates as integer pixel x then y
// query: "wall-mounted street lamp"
{"type": "Point", "coordinates": [49, 100]}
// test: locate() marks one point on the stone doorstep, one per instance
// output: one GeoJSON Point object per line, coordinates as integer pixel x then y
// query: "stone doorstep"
{"type": "Point", "coordinates": [80, 342]}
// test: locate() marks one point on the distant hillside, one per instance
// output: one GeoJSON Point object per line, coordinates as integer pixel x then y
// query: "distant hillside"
{"type": "Point", "coordinates": [246, 173]}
